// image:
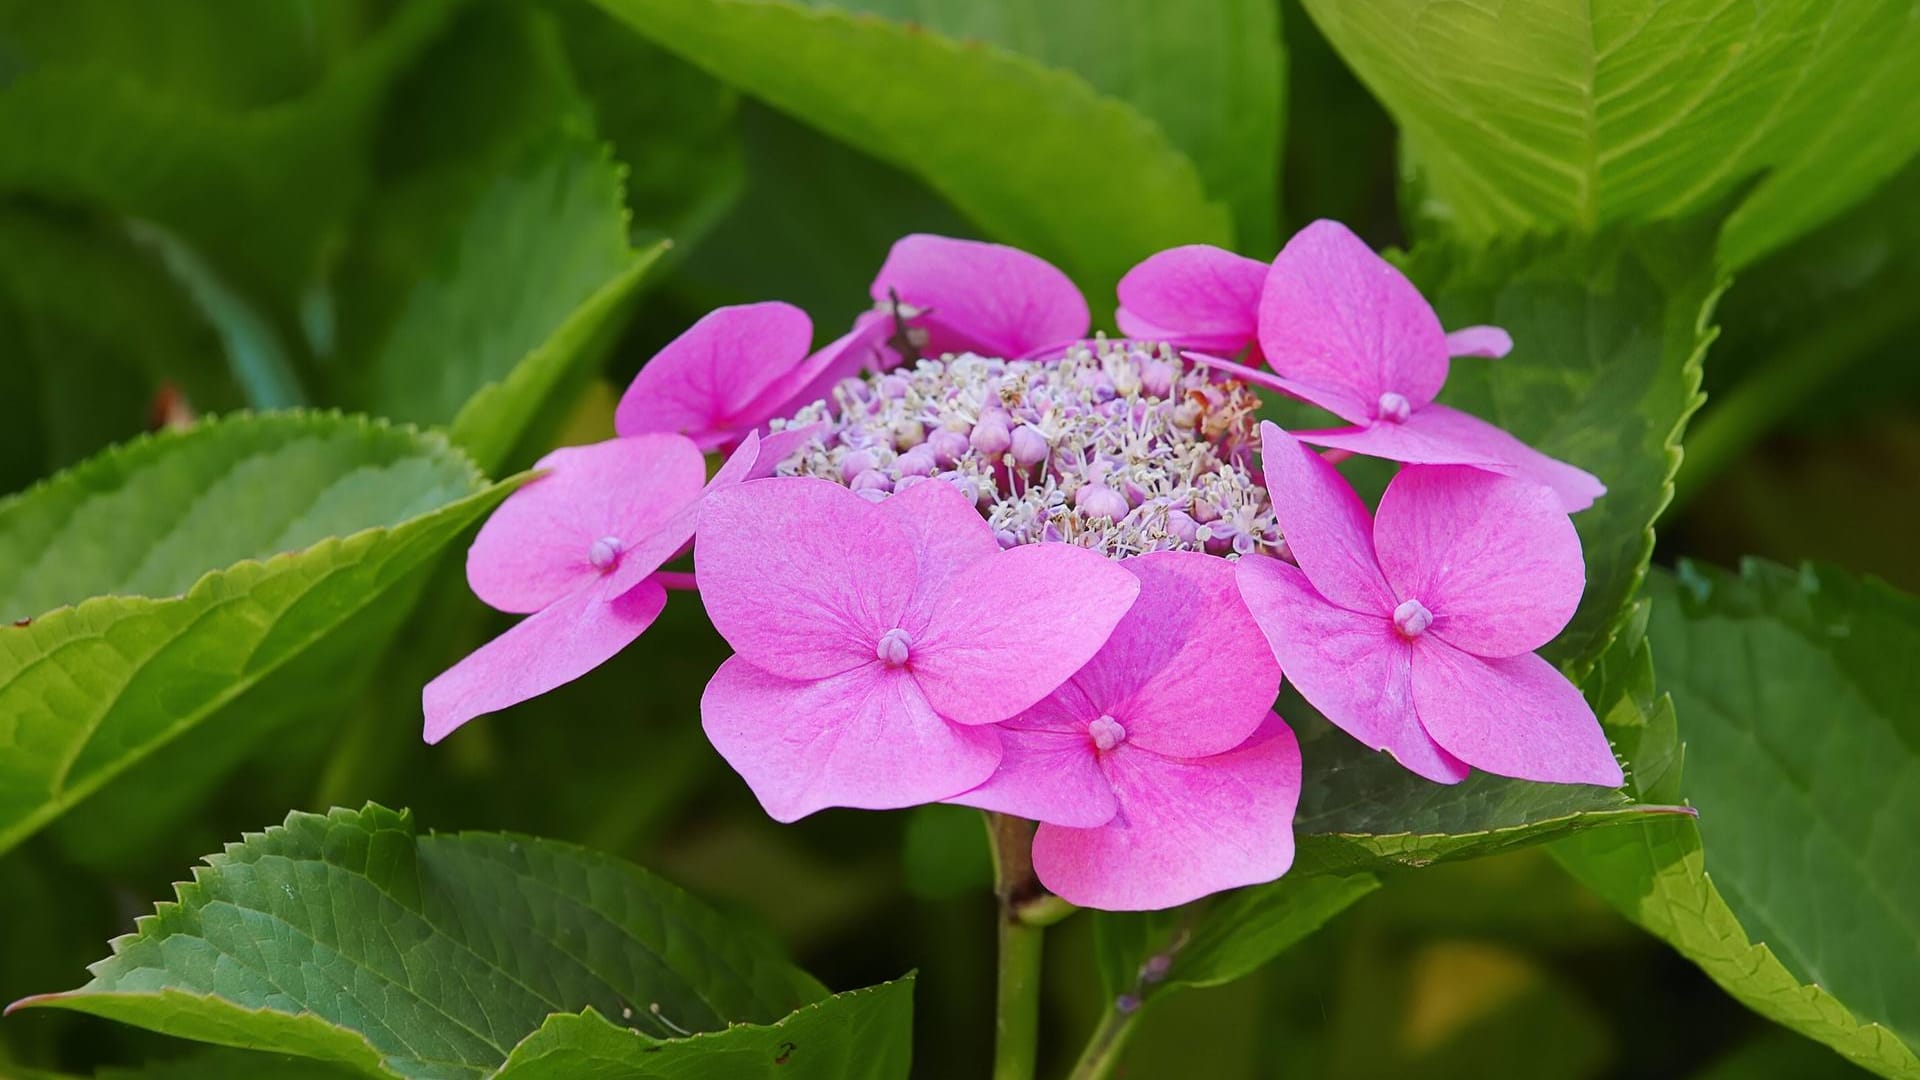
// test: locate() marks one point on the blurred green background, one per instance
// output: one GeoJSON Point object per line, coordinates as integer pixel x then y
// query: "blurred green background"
{"type": "Point", "coordinates": [210, 205]}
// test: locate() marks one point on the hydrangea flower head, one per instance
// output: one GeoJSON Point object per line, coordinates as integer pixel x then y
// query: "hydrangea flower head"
{"type": "Point", "coordinates": [878, 643]}
{"type": "Point", "coordinates": [1159, 772]}
{"type": "Point", "coordinates": [1414, 630]}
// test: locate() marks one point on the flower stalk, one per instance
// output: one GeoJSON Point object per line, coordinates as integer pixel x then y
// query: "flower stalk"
{"type": "Point", "coordinates": [1022, 935]}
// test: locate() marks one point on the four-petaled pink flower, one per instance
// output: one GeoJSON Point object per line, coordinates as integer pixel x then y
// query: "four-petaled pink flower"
{"type": "Point", "coordinates": [1348, 332]}
{"type": "Point", "coordinates": [574, 549]}
{"type": "Point", "coordinates": [1414, 631]}
{"type": "Point", "coordinates": [878, 642]}
{"type": "Point", "coordinates": [1159, 772]}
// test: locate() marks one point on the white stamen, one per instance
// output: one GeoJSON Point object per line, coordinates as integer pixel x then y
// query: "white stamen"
{"type": "Point", "coordinates": [895, 647]}
{"type": "Point", "coordinates": [1394, 408]}
{"type": "Point", "coordinates": [1106, 733]}
{"type": "Point", "coordinates": [1412, 618]}
{"type": "Point", "coordinates": [605, 552]}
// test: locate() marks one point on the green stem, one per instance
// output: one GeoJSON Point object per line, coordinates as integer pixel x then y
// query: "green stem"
{"type": "Point", "coordinates": [1103, 1047]}
{"type": "Point", "coordinates": [1016, 1033]}
{"type": "Point", "coordinates": [1756, 404]}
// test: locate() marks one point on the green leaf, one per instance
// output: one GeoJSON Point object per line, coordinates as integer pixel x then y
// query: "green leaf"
{"type": "Point", "coordinates": [1033, 155]}
{"type": "Point", "coordinates": [859, 1035]}
{"type": "Point", "coordinates": [1359, 810]}
{"type": "Point", "coordinates": [241, 128]}
{"type": "Point", "coordinates": [1609, 333]}
{"type": "Point", "coordinates": [1792, 890]}
{"type": "Point", "coordinates": [1218, 939]}
{"type": "Point", "coordinates": [318, 521]}
{"type": "Point", "coordinates": [350, 938]}
{"type": "Point", "coordinates": [1551, 113]}
{"type": "Point", "coordinates": [1209, 73]}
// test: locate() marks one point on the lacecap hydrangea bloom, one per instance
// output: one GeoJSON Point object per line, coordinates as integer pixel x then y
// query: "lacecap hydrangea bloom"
{"type": "Point", "coordinates": [971, 552]}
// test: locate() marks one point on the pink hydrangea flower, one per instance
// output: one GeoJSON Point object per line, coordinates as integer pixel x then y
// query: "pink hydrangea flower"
{"type": "Point", "coordinates": [578, 549]}
{"type": "Point", "coordinates": [1159, 772]}
{"type": "Point", "coordinates": [1348, 332]}
{"type": "Point", "coordinates": [1414, 630]}
{"type": "Point", "coordinates": [1193, 297]}
{"type": "Point", "coordinates": [877, 642]}
{"type": "Point", "coordinates": [573, 550]}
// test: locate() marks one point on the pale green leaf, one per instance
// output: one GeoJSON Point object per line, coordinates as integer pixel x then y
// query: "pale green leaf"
{"type": "Point", "coordinates": [1035, 156]}
{"type": "Point", "coordinates": [1549, 113]}
{"type": "Point", "coordinates": [169, 582]}
{"type": "Point", "coordinates": [351, 938]}
{"type": "Point", "coordinates": [859, 1035]}
{"type": "Point", "coordinates": [1208, 72]}
{"type": "Point", "coordinates": [1794, 890]}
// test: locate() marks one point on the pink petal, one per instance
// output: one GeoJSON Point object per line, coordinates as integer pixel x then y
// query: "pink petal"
{"type": "Point", "coordinates": [1488, 341]}
{"type": "Point", "coordinates": [989, 298]}
{"type": "Point", "coordinates": [1187, 672]}
{"type": "Point", "coordinates": [1493, 558]}
{"type": "Point", "coordinates": [1403, 442]}
{"type": "Point", "coordinates": [947, 534]}
{"type": "Point", "coordinates": [1352, 667]}
{"type": "Point", "coordinates": [536, 547]}
{"type": "Point", "coordinates": [1516, 716]}
{"type": "Point", "coordinates": [550, 648]}
{"type": "Point", "coordinates": [1009, 629]}
{"type": "Point", "coordinates": [863, 348]}
{"type": "Point", "coordinates": [1186, 827]}
{"type": "Point", "coordinates": [1196, 296]}
{"type": "Point", "coordinates": [801, 576]}
{"type": "Point", "coordinates": [1477, 438]}
{"type": "Point", "coordinates": [1334, 314]}
{"type": "Point", "coordinates": [1325, 525]}
{"type": "Point", "coordinates": [1049, 771]}
{"type": "Point", "coordinates": [705, 381]}
{"type": "Point", "coordinates": [863, 738]}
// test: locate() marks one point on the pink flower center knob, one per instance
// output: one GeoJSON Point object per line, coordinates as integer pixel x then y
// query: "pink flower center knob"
{"type": "Point", "coordinates": [1106, 733]}
{"type": "Point", "coordinates": [605, 552]}
{"type": "Point", "coordinates": [896, 646]}
{"type": "Point", "coordinates": [1412, 618]}
{"type": "Point", "coordinates": [1394, 408]}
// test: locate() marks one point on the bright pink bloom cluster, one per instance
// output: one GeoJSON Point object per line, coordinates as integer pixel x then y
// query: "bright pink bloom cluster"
{"type": "Point", "coordinates": [965, 553]}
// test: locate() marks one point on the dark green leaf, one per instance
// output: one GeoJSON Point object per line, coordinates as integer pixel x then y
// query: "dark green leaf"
{"type": "Point", "coordinates": [138, 634]}
{"type": "Point", "coordinates": [352, 939]}
{"type": "Point", "coordinates": [1546, 114]}
{"type": "Point", "coordinates": [859, 1035]}
{"type": "Point", "coordinates": [1034, 155]}
{"type": "Point", "coordinates": [1798, 703]}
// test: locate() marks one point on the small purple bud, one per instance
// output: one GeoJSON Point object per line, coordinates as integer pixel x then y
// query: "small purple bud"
{"type": "Point", "coordinates": [948, 446]}
{"type": "Point", "coordinates": [1134, 492]}
{"type": "Point", "coordinates": [1029, 446]}
{"type": "Point", "coordinates": [1126, 1004]}
{"type": "Point", "coordinates": [872, 495]}
{"type": "Point", "coordinates": [1156, 968]}
{"type": "Point", "coordinates": [895, 647]}
{"type": "Point", "coordinates": [1182, 527]}
{"type": "Point", "coordinates": [965, 484]}
{"type": "Point", "coordinates": [1394, 408]}
{"type": "Point", "coordinates": [1412, 618]}
{"type": "Point", "coordinates": [1006, 538]}
{"type": "Point", "coordinates": [1101, 501]}
{"type": "Point", "coordinates": [918, 461]}
{"type": "Point", "coordinates": [605, 552]}
{"type": "Point", "coordinates": [990, 436]}
{"type": "Point", "coordinates": [856, 463]}
{"type": "Point", "coordinates": [895, 386]}
{"type": "Point", "coordinates": [872, 480]}
{"type": "Point", "coordinates": [1204, 511]}
{"type": "Point", "coordinates": [1106, 733]}
{"type": "Point", "coordinates": [906, 482]}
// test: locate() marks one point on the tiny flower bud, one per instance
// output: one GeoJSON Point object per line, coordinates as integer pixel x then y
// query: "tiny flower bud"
{"type": "Point", "coordinates": [856, 463]}
{"type": "Point", "coordinates": [918, 461]}
{"type": "Point", "coordinates": [908, 434]}
{"type": "Point", "coordinates": [604, 552]}
{"type": "Point", "coordinates": [872, 480]}
{"type": "Point", "coordinates": [1412, 618]}
{"type": "Point", "coordinates": [1106, 733]}
{"type": "Point", "coordinates": [1156, 968]}
{"type": "Point", "coordinates": [948, 446]}
{"type": "Point", "coordinates": [1394, 408]}
{"type": "Point", "coordinates": [895, 647]}
{"type": "Point", "coordinates": [894, 386]}
{"type": "Point", "coordinates": [990, 436]}
{"type": "Point", "coordinates": [1182, 527]}
{"type": "Point", "coordinates": [1029, 446]}
{"type": "Point", "coordinates": [1100, 501]}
